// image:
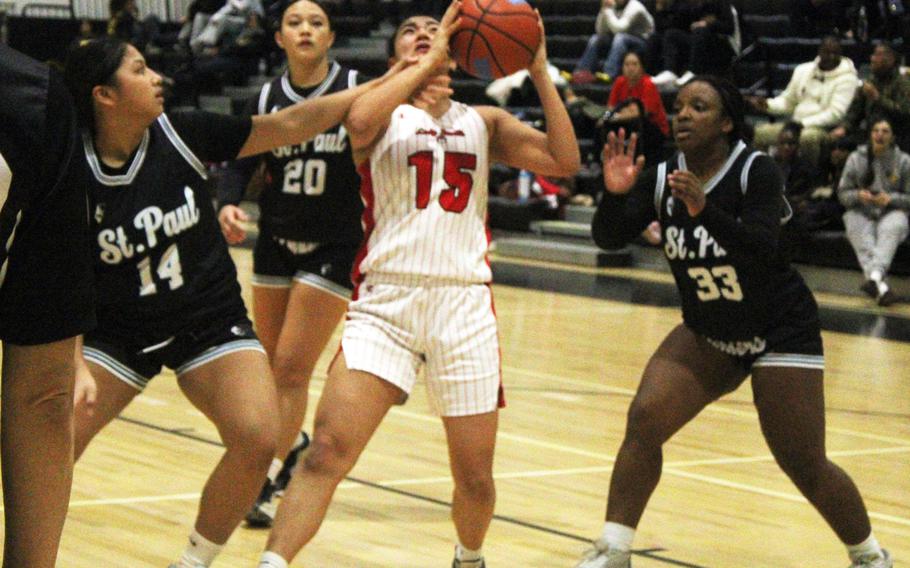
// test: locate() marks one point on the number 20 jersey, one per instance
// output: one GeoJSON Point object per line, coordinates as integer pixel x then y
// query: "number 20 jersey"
{"type": "Point", "coordinates": [728, 290]}
{"type": "Point", "coordinates": [424, 189]}
{"type": "Point", "coordinates": [161, 263]}
{"type": "Point", "coordinates": [311, 188]}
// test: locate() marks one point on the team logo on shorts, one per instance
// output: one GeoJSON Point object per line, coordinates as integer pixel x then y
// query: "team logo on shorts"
{"type": "Point", "coordinates": [325, 269]}
{"type": "Point", "coordinates": [238, 331]}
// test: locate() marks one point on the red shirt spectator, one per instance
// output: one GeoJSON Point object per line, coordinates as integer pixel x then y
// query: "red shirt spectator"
{"type": "Point", "coordinates": [635, 83]}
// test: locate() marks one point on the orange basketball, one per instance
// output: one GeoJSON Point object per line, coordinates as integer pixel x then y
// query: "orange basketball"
{"type": "Point", "coordinates": [496, 37]}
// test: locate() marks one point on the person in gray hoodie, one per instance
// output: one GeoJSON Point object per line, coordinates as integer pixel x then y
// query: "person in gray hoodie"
{"type": "Point", "coordinates": [875, 190]}
{"type": "Point", "coordinates": [817, 97]}
{"type": "Point", "coordinates": [621, 25]}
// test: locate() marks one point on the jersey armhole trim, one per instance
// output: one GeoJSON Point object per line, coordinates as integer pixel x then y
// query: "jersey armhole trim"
{"type": "Point", "coordinates": [660, 187]}
{"type": "Point", "coordinates": [181, 146]}
{"type": "Point", "coordinates": [264, 98]}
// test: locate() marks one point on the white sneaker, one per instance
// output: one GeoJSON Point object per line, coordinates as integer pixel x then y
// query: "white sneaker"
{"type": "Point", "coordinates": [875, 561]}
{"type": "Point", "coordinates": [600, 556]}
{"type": "Point", "coordinates": [686, 77]}
{"type": "Point", "coordinates": [664, 78]}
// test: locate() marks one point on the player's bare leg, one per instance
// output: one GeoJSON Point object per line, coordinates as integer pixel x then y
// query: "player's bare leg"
{"type": "Point", "coordinates": [236, 393]}
{"type": "Point", "coordinates": [351, 407]}
{"type": "Point", "coordinates": [791, 408]}
{"type": "Point", "coordinates": [37, 448]}
{"type": "Point", "coordinates": [269, 306]}
{"type": "Point", "coordinates": [112, 396]}
{"type": "Point", "coordinates": [472, 443]}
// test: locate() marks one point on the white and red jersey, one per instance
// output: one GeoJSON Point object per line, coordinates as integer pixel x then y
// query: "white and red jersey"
{"type": "Point", "coordinates": [425, 193]}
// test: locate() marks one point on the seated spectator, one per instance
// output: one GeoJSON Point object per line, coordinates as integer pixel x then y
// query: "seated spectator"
{"type": "Point", "coordinates": [817, 97]}
{"type": "Point", "coordinates": [621, 25]}
{"type": "Point", "coordinates": [124, 23]}
{"type": "Point", "coordinates": [815, 18]}
{"type": "Point", "coordinates": [702, 38]}
{"type": "Point", "coordinates": [824, 211]}
{"type": "Point", "coordinates": [875, 190]}
{"type": "Point", "coordinates": [648, 116]}
{"type": "Point", "coordinates": [886, 93]}
{"type": "Point", "coordinates": [800, 174]}
{"type": "Point", "coordinates": [226, 25]}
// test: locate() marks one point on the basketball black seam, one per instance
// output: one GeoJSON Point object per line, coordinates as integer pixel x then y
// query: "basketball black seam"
{"type": "Point", "coordinates": [508, 35]}
{"type": "Point", "coordinates": [480, 21]}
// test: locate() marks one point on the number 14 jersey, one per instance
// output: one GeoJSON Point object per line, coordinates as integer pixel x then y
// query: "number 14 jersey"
{"type": "Point", "coordinates": [425, 193]}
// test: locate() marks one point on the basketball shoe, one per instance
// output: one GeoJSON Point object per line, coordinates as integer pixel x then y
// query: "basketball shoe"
{"type": "Point", "coordinates": [456, 563]}
{"type": "Point", "coordinates": [600, 556]}
{"type": "Point", "coordinates": [874, 561]}
{"type": "Point", "coordinates": [262, 513]}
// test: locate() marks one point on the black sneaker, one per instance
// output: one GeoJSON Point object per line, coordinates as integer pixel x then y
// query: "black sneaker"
{"type": "Point", "coordinates": [870, 288]}
{"type": "Point", "coordinates": [284, 476]}
{"type": "Point", "coordinates": [262, 513]}
{"type": "Point", "coordinates": [887, 299]}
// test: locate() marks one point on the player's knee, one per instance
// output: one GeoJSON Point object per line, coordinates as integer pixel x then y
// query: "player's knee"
{"type": "Point", "coordinates": [257, 439]}
{"type": "Point", "coordinates": [806, 469]}
{"type": "Point", "coordinates": [50, 404]}
{"type": "Point", "coordinates": [644, 424]}
{"type": "Point", "coordinates": [328, 455]}
{"type": "Point", "coordinates": [291, 372]}
{"type": "Point", "coordinates": [478, 487]}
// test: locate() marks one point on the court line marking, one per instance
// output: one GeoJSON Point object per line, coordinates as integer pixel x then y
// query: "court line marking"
{"type": "Point", "coordinates": [710, 408]}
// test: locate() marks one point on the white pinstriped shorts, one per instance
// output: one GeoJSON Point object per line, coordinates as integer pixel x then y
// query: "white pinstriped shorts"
{"type": "Point", "coordinates": [392, 331]}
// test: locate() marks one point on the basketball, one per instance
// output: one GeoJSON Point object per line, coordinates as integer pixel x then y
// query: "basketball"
{"type": "Point", "coordinates": [496, 37]}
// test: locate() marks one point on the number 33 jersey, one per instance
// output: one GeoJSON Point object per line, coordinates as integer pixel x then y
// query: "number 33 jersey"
{"type": "Point", "coordinates": [734, 282]}
{"type": "Point", "coordinates": [424, 188]}
{"type": "Point", "coordinates": [160, 260]}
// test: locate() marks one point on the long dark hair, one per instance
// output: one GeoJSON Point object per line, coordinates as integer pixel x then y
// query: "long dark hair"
{"type": "Point", "coordinates": [91, 63]}
{"type": "Point", "coordinates": [732, 103]}
{"type": "Point", "coordinates": [275, 12]}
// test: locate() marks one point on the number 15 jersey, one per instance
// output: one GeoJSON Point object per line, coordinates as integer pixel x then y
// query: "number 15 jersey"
{"type": "Point", "coordinates": [425, 193]}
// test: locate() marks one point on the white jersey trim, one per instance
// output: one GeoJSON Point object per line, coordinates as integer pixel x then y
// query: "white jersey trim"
{"type": "Point", "coordinates": [737, 150]}
{"type": "Point", "coordinates": [289, 91]}
{"type": "Point", "coordinates": [264, 98]}
{"type": "Point", "coordinates": [181, 146]}
{"type": "Point", "coordinates": [661, 186]}
{"type": "Point", "coordinates": [117, 180]}
{"type": "Point", "coordinates": [798, 360]}
{"type": "Point", "coordinates": [352, 78]}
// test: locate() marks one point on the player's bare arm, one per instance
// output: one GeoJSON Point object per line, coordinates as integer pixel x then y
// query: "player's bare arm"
{"type": "Point", "coordinates": [371, 112]}
{"type": "Point", "coordinates": [554, 153]}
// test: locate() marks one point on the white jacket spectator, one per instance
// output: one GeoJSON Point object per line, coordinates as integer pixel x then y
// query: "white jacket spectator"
{"type": "Point", "coordinates": [817, 96]}
{"type": "Point", "coordinates": [632, 18]}
{"type": "Point", "coordinates": [621, 25]}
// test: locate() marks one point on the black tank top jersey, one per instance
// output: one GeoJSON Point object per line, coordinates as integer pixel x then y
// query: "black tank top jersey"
{"type": "Point", "coordinates": [733, 280]}
{"type": "Point", "coordinates": [730, 289]}
{"type": "Point", "coordinates": [312, 189]}
{"type": "Point", "coordinates": [161, 263]}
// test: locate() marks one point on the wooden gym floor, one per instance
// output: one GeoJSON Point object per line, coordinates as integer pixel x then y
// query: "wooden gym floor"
{"type": "Point", "coordinates": [571, 362]}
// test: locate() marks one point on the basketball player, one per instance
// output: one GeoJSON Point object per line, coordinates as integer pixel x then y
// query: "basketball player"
{"type": "Point", "coordinates": [46, 300]}
{"type": "Point", "coordinates": [745, 312]}
{"type": "Point", "coordinates": [423, 298]}
{"type": "Point", "coordinates": [168, 291]}
{"type": "Point", "coordinates": [309, 231]}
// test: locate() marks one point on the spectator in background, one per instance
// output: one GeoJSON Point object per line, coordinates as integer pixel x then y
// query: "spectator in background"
{"type": "Point", "coordinates": [886, 93]}
{"type": "Point", "coordinates": [815, 18]}
{"type": "Point", "coordinates": [800, 174]}
{"type": "Point", "coordinates": [125, 24]}
{"type": "Point", "coordinates": [646, 115]}
{"type": "Point", "coordinates": [817, 97]}
{"type": "Point", "coordinates": [621, 25]}
{"type": "Point", "coordinates": [703, 38]}
{"type": "Point", "coordinates": [875, 189]}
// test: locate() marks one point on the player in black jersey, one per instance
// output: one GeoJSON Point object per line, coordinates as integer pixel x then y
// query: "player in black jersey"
{"type": "Point", "coordinates": [167, 288]}
{"type": "Point", "coordinates": [309, 230]}
{"type": "Point", "coordinates": [45, 302]}
{"type": "Point", "coordinates": [745, 311]}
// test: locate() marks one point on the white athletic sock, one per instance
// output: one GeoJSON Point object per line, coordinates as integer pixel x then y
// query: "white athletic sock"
{"type": "Point", "coordinates": [868, 547]}
{"type": "Point", "coordinates": [876, 276]}
{"type": "Point", "coordinates": [271, 560]}
{"type": "Point", "coordinates": [617, 536]}
{"type": "Point", "coordinates": [299, 440]}
{"type": "Point", "coordinates": [468, 558]}
{"type": "Point", "coordinates": [199, 551]}
{"type": "Point", "coordinates": [274, 469]}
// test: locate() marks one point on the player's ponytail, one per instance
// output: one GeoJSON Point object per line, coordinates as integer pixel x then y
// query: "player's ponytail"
{"type": "Point", "coordinates": [91, 63]}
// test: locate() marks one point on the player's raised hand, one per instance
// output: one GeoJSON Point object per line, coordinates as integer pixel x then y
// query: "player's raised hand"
{"type": "Point", "coordinates": [438, 56]}
{"type": "Point", "coordinates": [231, 219]}
{"type": "Point", "coordinates": [685, 186]}
{"type": "Point", "coordinates": [539, 63]}
{"type": "Point", "coordinates": [620, 167]}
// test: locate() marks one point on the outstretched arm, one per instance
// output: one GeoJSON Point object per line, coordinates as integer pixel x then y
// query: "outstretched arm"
{"type": "Point", "coordinates": [518, 145]}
